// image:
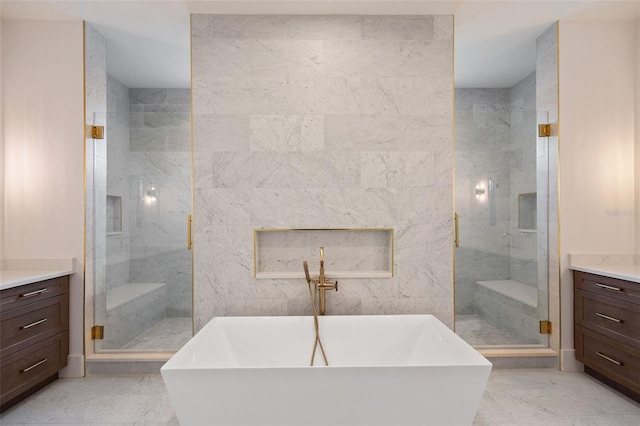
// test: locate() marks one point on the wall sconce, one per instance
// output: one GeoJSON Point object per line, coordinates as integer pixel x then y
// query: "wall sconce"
{"type": "Point", "coordinates": [480, 191]}
{"type": "Point", "coordinates": [150, 198]}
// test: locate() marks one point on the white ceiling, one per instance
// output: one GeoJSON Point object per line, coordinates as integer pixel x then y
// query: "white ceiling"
{"type": "Point", "coordinates": [148, 40]}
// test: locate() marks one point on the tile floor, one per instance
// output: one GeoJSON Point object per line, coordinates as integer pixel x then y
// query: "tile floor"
{"type": "Point", "coordinates": [170, 334]}
{"type": "Point", "coordinates": [479, 332]}
{"type": "Point", "coordinates": [512, 397]}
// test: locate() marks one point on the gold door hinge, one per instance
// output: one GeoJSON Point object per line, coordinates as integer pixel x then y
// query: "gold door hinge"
{"type": "Point", "coordinates": [544, 130]}
{"type": "Point", "coordinates": [545, 327]}
{"type": "Point", "coordinates": [97, 132]}
{"type": "Point", "coordinates": [97, 332]}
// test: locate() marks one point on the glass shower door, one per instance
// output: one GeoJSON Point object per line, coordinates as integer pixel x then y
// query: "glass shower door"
{"type": "Point", "coordinates": [139, 195]}
{"type": "Point", "coordinates": [501, 198]}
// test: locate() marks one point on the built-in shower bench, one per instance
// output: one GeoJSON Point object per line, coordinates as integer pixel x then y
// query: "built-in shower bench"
{"type": "Point", "coordinates": [509, 305]}
{"type": "Point", "coordinates": [513, 290]}
{"type": "Point", "coordinates": [131, 309]}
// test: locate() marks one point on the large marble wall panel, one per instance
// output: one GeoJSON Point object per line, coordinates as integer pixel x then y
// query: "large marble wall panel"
{"type": "Point", "coordinates": [322, 122]}
{"type": "Point", "coordinates": [523, 177]}
{"type": "Point", "coordinates": [160, 167]}
{"type": "Point", "coordinates": [482, 154]}
{"type": "Point", "coordinates": [117, 130]}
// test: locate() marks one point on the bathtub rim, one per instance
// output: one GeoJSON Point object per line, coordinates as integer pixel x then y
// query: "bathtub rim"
{"type": "Point", "coordinates": [175, 362]}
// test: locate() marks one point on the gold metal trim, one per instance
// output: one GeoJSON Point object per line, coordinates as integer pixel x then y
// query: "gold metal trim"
{"type": "Point", "coordinates": [456, 237]}
{"type": "Point", "coordinates": [193, 300]}
{"type": "Point", "coordinates": [97, 332]}
{"type": "Point", "coordinates": [97, 132]}
{"type": "Point", "coordinates": [257, 230]}
{"type": "Point", "coordinates": [188, 232]}
{"type": "Point", "coordinates": [544, 130]}
{"type": "Point", "coordinates": [453, 160]}
{"type": "Point", "coordinates": [85, 345]}
{"type": "Point", "coordinates": [557, 309]}
{"type": "Point", "coordinates": [545, 327]}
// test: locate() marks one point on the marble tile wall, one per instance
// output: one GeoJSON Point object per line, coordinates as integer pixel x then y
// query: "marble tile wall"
{"type": "Point", "coordinates": [322, 122]}
{"type": "Point", "coordinates": [117, 130]}
{"type": "Point", "coordinates": [523, 116]}
{"type": "Point", "coordinates": [482, 153]}
{"type": "Point", "coordinates": [160, 166]}
{"type": "Point", "coordinates": [495, 141]}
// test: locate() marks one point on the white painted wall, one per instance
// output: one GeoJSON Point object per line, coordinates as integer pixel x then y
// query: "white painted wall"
{"type": "Point", "coordinates": [637, 105]}
{"type": "Point", "coordinates": [597, 184]}
{"type": "Point", "coordinates": [2, 162]}
{"type": "Point", "coordinates": [44, 152]}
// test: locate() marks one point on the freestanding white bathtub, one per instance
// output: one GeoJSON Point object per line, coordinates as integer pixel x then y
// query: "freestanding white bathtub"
{"type": "Point", "coordinates": [383, 370]}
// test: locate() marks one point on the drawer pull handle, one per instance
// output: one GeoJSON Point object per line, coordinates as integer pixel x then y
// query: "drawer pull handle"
{"type": "Point", "coordinates": [609, 359]}
{"type": "Point", "coordinates": [33, 293]}
{"type": "Point", "coordinates": [607, 317]}
{"type": "Point", "coordinates": [609, 287]}
{"type": "Point", "coordinates": [42, 361]}
{"type": "Point", "coordinates": [33, 324]}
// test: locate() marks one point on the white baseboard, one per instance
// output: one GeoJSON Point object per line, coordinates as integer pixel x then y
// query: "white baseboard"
{"type": "Point", "coordinates": [74, 368]}
{"type": "Point", "coordinates": [568, 361]}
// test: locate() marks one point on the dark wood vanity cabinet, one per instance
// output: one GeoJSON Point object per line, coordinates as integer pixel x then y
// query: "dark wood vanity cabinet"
{"type": "Point", "coordinates": [34, 337]}
{"type": "Point", "coordinates": [607, 330]}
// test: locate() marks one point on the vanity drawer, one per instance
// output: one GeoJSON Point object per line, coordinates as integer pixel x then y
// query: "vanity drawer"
{"type": "Point", "coordinates": [612, 317]}
{"type": "Point", "coordinates": [618, 289]}
{"type": "Point", "coordinates": [17, 297]}
{"type": "Point", "coordinates": [28, 367]}
{"type": "Point", "coordinates": [618, 362]}
{"type": "Point", "coordinates": [29, 324]}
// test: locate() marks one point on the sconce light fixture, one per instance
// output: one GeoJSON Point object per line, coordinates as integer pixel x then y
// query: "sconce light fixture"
{"type": "Point", "coordinates": [480, 191]}
{"type": "Point", "coordinates": [150, 196]}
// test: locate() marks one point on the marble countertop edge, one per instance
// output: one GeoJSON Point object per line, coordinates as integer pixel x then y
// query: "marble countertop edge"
{"type": "Point", "coordinates": [628, 272]}
{"type": "Point", "coordinates": [17, 272]}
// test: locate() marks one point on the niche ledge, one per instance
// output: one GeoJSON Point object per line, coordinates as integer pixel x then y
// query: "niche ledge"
{"type": "Point", "coordinates": [348, 253]}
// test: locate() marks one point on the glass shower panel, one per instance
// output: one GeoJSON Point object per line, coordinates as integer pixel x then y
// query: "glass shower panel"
{"type": "Point", "coordinates": [96, 222]}
{"type": "Point", "coordinates": [501, 199]}
{"type": "Point", "coordinates": [139, 196]}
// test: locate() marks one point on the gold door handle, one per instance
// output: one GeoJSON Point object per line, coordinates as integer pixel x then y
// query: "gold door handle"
{"type": "Point", "coordinates": [456, 220]}
{"type": "Point", "coordinates": [188, 232]}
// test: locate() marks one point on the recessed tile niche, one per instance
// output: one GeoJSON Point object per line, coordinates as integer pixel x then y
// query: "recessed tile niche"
{"type": "Point", "coordinates": [527, 214]}
{"type": "Point", "coordinates": [114, 215]}
{"type": "Point", "coordinates": [348, 253]}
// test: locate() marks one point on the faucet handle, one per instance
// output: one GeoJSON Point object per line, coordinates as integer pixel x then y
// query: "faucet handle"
{"type": "Point", "coordinates": [336, 285]}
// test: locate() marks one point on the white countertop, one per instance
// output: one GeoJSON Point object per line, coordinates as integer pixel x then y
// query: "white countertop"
{"type": "Point", "coordinates": [16, 272]}
{"type": "Point", "coordinates": [15, 278]}
{"type": "Point", "coordinates": [623, 272]}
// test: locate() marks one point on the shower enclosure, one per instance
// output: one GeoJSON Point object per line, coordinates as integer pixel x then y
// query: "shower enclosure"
{"type": "Point", "coordinates": [138, 175]}
{"type": "Point", "coordinates": [502, 203]}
